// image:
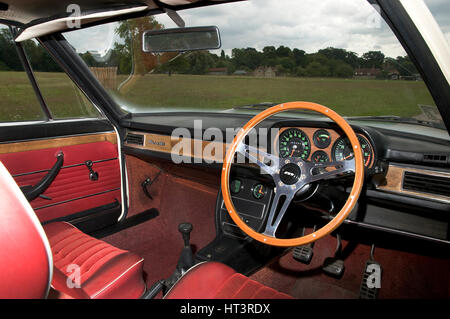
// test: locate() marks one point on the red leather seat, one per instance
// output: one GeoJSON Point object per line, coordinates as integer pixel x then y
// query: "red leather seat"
{"type": "Point", "coordinates": [103, 271]}
{"type": "Point", "coordinates": [76, 265]}
{"type": "Point", "coordinates": [212, 280]}
{"type": "Point", "coordinates": [25, 256]}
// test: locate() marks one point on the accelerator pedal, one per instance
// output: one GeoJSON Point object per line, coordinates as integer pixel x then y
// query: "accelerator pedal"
{"type": "Point", "coordinates": [334, 266]}
{"type": "Point", "coordinates": [371, 280]}
{"type": "Point", "coordinates": [304, 253]}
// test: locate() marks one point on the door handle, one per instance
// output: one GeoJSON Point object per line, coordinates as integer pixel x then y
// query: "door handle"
{"type": "Point", "coordinates": [31, 192]}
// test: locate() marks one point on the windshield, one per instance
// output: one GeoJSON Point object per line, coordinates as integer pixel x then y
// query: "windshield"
{"type": "Point", "coordinates": [336, 53]}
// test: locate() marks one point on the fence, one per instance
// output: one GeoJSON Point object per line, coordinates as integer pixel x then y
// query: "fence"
{"type": "Point", "coordinates": [107, 76]}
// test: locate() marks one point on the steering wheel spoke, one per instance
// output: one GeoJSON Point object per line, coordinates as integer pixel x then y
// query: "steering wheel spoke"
{"type": "Point", "coordinates": [259, 157]}
{"type": "Point", "coordinates": [279, 206]}
{"type": "Point", "coordinates": [318, 171]}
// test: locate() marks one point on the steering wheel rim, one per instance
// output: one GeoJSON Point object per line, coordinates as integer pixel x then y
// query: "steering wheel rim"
{"type": "Point", "coordinates": [343, 213]}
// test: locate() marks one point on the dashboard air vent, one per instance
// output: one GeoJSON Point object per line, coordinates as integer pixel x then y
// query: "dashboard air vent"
{"type": "Point", "coordinates": [424, 183]}
{"type": "Point", "coordinates": [435, 158]}
{"type": "Point", "coordinates": [134, 139]}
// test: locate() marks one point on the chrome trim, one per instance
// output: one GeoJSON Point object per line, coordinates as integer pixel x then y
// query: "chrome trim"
{"type": "Point", "coordinates": [21, 123]}
{"type": "Point", "coordinates": [58, 136]}
{"type": "Point", "coordinates": [68, 166]}
{"type": "Point", "coordinates": [182, 276]}
{"type": "Point", "coordinates": [78, 198]}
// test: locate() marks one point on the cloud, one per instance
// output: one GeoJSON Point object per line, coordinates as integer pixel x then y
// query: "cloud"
{"type": "Point", "coordinates": [309, 25]}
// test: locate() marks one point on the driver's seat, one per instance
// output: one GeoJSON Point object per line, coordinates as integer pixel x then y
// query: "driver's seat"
{"type": "Point", "coordinates": [213, 280]}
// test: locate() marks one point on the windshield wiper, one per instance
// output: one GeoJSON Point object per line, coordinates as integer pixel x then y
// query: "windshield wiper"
{"type": "Point", "coordinates": [266, 105]}
{"type": "Point", "coordinates": [262, 105]}
{"type": "Point", "coordinates": [398, 119]}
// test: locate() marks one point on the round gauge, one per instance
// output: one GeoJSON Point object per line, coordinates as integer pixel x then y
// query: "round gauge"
{"type": "Point", "coordinates": [294, 143]}
{"type": "Point", "coordinates": [259, 191]}
{"type": "Point", "coordinates": [322, 138]}
{"type": "Point", "coordinates": [236, 186]}
{"type": "Point", "coordinates": [320, 157]}
{"type": "Point", "coordinates": [342, 150]}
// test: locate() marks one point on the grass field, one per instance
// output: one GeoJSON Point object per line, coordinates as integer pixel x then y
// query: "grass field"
{"type": "Point", "coordinates": [347, 97]}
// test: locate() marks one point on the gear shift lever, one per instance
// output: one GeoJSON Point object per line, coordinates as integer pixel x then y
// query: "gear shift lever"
{"type": "Point", "coordinates": [186, 260]}
{"type": "Point", "coordinates": [185, 230]}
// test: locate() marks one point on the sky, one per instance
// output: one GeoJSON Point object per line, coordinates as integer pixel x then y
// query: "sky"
{"type": "Point", "coordinates": [309, 25]}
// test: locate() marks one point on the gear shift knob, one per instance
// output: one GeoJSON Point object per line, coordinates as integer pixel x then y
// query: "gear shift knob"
{"type": "Point", "coordinates": [185, 230]}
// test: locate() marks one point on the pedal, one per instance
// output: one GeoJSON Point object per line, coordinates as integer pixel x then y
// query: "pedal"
{"type": "Point", "coordinates": [371, 280]}
{"type": "Point", "coordinates": [304, 253]}
{"type": "Point", "coordinates": [334, 266]}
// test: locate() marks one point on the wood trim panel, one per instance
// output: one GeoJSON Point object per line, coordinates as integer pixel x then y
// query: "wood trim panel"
{"type": "Point", "coordinates": [57, 142]}
{"type": "Point", "coordinates": [394, 182]}
{"type": "Point", "coordinates": [209, 151]}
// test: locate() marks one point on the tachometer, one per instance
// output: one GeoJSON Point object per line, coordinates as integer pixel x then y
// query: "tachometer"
{"type": "Point", "coordinates": [294, 143]}
{"type": "Point", "coordinates": [342, 150]}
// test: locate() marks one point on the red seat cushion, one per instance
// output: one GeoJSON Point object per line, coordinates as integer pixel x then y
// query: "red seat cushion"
{"type": "Point", "coordinates": [95, 268]}
{"type": "Point", "coordinates": [213, 280]}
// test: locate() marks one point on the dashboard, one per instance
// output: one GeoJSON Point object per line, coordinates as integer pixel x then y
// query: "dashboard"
{"type": "Point", "coordinates": [407, 175]}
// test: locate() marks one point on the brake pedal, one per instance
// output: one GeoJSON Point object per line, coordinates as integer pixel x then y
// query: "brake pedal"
{"type": "Point", "coordinates": [304, 253]}
{"type": "Point", "coordinates": [371, 280]}
{"type": "Point", "coordinates": [334, 266]}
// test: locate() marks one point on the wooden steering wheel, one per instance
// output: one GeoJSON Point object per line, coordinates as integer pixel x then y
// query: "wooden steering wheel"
{"type": "Point", "coordinates": [292, 174]}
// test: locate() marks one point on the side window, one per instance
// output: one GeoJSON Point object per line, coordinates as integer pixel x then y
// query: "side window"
{"type": "Point", "coordinates": [18, 100]}
{"type": "Point", "coordinates": [61, 95]}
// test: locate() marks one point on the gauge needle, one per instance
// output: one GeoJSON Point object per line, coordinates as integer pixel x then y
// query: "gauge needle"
{"type": "Point", "coordinates": [293, 150]}
{"type": "Point", "coordinates": [348, 156]}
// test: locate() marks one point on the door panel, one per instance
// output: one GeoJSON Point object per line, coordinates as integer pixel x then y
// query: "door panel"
{"type": "Point", "coordinates": [72, 191]}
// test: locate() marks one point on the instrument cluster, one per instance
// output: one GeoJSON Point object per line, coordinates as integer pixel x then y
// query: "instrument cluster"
{"type": "Point", "coordinates": [320, 145]}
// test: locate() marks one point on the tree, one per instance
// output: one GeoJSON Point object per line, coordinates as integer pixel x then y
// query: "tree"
{"type": "Point", "coordinates": [200, 62]}
{"type": "Point", "coordinates": [404, 65]}
{"type": "Point", "coordinates": [299, 57]}
{"type": "Point", "coordinates": [343, 70]}
{"type": "Point", "coordinates": [373, 59]}
{"type": "Point", "coordinates": [316, 69]}
{"type": "Point", "coordinates": [269, 56]}
{"type": "Point", "coordinates": [248, 58]}
{"type": "Point", "coordinates": [283, 51]}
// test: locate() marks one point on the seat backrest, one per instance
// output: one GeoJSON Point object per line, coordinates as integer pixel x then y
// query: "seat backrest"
{"type": "Point", "coordinates": [26, 263]}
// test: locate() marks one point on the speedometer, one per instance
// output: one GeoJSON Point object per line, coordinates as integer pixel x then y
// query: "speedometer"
{"type": "Point", "coordinates": [342, 150]}
{"type": "Point", "coordinates": [294, 143]}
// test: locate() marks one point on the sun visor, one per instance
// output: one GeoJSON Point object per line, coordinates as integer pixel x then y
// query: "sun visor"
{"type": "Point", "coordinates": [64, 23]}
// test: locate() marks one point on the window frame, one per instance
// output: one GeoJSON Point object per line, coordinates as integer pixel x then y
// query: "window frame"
{"type": "Point", "coordinates": [46, 111]}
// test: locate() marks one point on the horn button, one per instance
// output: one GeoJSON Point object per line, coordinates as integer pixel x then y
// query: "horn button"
{"type": "Point", "coordinates": [290, 174]}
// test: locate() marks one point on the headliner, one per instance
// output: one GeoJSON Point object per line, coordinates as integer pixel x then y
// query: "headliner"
{"type": "Point", "coordinates": [29, 12]}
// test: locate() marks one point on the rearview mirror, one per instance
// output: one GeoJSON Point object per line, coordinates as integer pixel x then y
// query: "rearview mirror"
{"type": "Point", "coordinates": [181, 39]}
